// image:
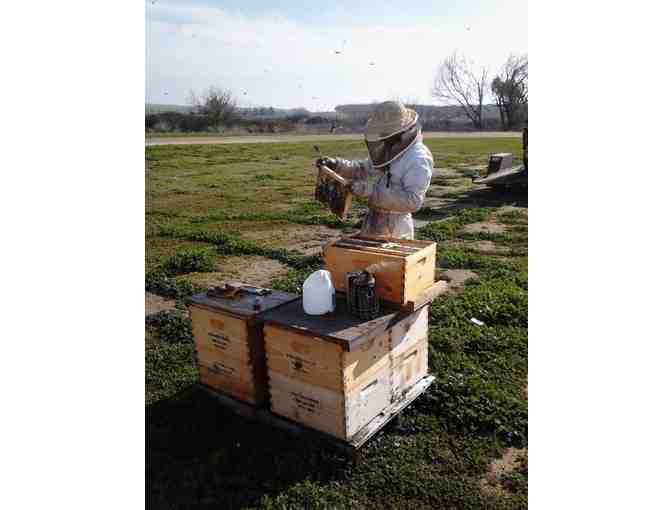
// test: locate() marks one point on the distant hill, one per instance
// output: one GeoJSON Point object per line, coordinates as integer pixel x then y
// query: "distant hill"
{"type": "Point", "coordinates": [426, 112]}
{"type": "Point", "coordinates": [351, 116]}
{"type": "Point", "coordinates": [261, 112]}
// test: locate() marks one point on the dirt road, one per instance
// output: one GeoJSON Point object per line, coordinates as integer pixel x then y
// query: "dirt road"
{"type": "Point", "coordinates": [196, 140]}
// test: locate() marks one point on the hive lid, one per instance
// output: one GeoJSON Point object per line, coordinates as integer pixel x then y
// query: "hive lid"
{"type": "Point", "coordinates": [243, 304]}
{"type": "Point", "coordinates": [338, 327]}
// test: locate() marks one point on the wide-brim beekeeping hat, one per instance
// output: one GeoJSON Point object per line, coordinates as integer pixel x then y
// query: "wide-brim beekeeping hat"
{"type": "Point", "coordinates": [388, 119]}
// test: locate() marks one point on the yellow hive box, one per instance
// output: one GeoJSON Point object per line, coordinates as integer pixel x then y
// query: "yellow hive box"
{"type": "Point", "coordinates": [230, 345]}
{"type": "Point", "coordinates": [403, 269]}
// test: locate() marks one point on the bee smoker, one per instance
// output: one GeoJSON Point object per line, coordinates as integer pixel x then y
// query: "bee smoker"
{"type": "Point", "coordinates": [360, 288]}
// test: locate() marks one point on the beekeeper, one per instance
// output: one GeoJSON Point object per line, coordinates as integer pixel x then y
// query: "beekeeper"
{"type": "Point", "coordinates": [396, 175]}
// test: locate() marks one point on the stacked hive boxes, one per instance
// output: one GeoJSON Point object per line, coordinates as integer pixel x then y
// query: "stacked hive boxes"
{"type": "Point", "coordinates": [334, 373]}
{"type": "Point", "coordinates": [229, 343]}
{"type": "Point", "coordinates": [322, 379]}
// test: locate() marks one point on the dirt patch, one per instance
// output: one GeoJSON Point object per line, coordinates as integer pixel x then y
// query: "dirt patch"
{"type": "Point", "coordinates": [307, 239]}
{"type": "Point", "coordinates": [487, 247]}
{"type": "Point", "coordinates": [484, 227]}
{"type": "Point", "coordinates": [455, 278]}
{"type": "Point", "coordinates": [254, 270]}
{"type": "Point", "coordinates": [155, 304]}
{"type": "Point", "coordinates": [492, 482]}
{"type": "Point", "coordinates": [310, 241]}
{"type": "Point", "coordinates": [509, 208]}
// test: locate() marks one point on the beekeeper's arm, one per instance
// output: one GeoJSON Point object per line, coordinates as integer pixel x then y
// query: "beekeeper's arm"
{"type": "Point", "coordinates": [358, 171]}
{"type": "Point", "coordinates": [410, 196]}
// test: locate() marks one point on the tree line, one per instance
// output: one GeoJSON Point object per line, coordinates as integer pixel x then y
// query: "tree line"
{"type": "Point", "coordinates": [458, 81]}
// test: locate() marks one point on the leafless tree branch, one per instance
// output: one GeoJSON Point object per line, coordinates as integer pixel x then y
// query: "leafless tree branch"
{"type": "Point", "coordinates": [510, 91]}
{"type": "Point", "coordinates": [215, 103]}
{"type": "Point", "coordinates": [457, 82]}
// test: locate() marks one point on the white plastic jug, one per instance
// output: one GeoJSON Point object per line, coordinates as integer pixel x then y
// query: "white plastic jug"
{"type": "Point", "coordinates": [318, 293]}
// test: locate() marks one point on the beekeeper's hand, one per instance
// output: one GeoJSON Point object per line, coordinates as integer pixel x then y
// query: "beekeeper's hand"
{"type": "Point", "coordinates": [328, 162]}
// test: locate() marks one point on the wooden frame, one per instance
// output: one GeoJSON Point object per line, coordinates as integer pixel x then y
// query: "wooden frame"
{"type": "Point", "coordinates": [334, 191]}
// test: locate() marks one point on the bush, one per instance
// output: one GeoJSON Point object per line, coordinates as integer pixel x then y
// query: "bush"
{"type": "Point", "coordinates": [174, 121]}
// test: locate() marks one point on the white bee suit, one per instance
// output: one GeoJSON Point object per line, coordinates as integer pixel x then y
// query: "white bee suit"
{"type": "Point", "coordinates": [393, 199]}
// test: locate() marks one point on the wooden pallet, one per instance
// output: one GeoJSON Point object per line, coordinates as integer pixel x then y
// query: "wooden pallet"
{"type": "Point", "coordinates": [350, 447]}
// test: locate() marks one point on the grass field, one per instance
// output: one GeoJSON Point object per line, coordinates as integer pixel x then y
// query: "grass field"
{"type": "Point", "coordinates": [216, 212]}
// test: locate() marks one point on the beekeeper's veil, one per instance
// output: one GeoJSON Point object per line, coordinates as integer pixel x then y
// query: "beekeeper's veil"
{"type": "Point", "coordinates": [390, 131]}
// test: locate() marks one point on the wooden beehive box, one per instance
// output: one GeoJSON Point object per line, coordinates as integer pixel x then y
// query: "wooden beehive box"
{"type": "Point", "coordinates": [403, 269]}
{"type": "Point", "coordinates": [229, 343]}
{"type": "Point", "coordinates": [336, 373]}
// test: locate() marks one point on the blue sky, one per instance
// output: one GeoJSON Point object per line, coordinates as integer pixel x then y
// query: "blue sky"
{"type": "Point", "coordinates": [320, 54]}
{"type": "Point", "coordinates": [356, 12]}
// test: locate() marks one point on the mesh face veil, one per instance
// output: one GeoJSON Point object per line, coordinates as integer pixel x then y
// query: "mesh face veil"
{"type": "Point", "coordinates": [383, 152]}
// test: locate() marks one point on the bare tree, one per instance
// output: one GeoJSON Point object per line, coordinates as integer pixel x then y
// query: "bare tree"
{"type": "Point", "coordinates": [509, 89]}
{"type": "Point", "coordinates": [457, 82]}
{"type": "Point", "coordinates": [216, 104]}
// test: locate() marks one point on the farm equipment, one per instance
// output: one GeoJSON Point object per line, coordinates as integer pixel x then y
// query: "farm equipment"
{"type": "Point", "coordinates": [501, 175]}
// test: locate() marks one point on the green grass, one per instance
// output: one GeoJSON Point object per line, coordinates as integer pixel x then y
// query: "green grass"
{"type": "Point", "coordinates": [210, 202]}
{"type": "Point", "coordinates": [189, 261]}
{"type": "Point", "coordinates": [448, 228]}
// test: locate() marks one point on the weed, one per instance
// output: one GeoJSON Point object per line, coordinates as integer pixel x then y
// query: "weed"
{"type": "Point", "coordinates": [516, 482]}
{"type": "Point", "coordinates": [446, 229]}
{"type": "Point", "coordinates": [169, 367]}
{"type": "Point", "coordinates": [171, 326]}
{"type": "Point", "coordinates": [233, 244]}
{"type": "Point", "coordinates": [512, 217]}
{"type": "Point", "coordinates": [514, 240]}
{"type": "Point", "coordinates": [310, 495]}
{"type": "Point", "coordinates": [481, 368]}
{"type": "Point", "coordinates": [158, 282]}
{"type": "Point", "coordinates": [190, 261]}
{"type": "Point", "coordinates": [304, 214]}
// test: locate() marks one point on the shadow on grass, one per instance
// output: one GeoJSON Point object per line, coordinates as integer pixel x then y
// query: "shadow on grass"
{"type": "Point", "coordinates": [476, 197]}
{"type": "Point", "coordinates": [490, 197]}
{"type": "Point", "coordinates": [201, 455]}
